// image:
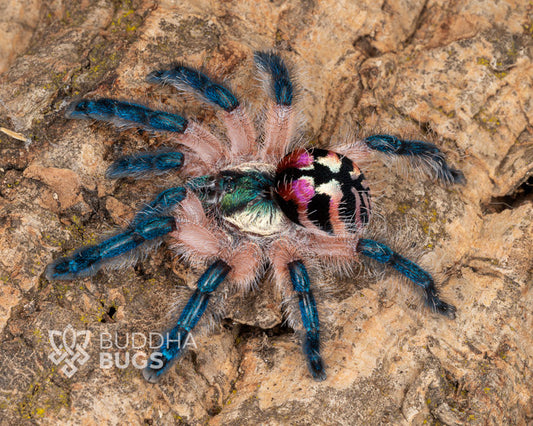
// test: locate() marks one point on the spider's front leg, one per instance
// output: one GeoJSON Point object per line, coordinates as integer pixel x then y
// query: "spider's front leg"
{"type": "Point", "coordinates": [384, 254]}
{"type": "Point", "coordinates": [280, 120]}
{"type": "Point", "coordinates": [240, 130]}
{"type": "Point", "coordinates": [127, 114]}
{"type": "Point", "coordinates": [174, 343]}
{"type": "Point", "coordinates": [302, 286]}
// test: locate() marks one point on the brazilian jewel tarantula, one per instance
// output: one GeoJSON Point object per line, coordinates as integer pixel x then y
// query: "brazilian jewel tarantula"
{"type": "Point", "coordinates": [249, 205]}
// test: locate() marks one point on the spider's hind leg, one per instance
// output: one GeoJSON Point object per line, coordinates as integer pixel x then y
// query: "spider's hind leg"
{"type": "Point", "coordinates": [383, 254]}
{"type": "Point", "coordinates": [424, 154]}
{"type": "Point", "coordinates": [145, 231]}
{"type": "Point", "coordinates": [175, 342]}
{"type": "Point", "coordinates": [301, 285]}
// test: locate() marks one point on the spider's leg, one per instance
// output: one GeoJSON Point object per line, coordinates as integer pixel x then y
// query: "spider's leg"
{"type": "Point", "coordinates": [147, 227]}
{"type": "Point", "coordinates": [301, 285]}
{"type": "Point", "coordinates": [88, 260]}
{"type": "Point", "coordinates": [424, 154]}
{"type": "Point", "coordinates": [281, 89]}
{"type": "Point", "coordinates": [240, 130]}
{"type": "Point", "coordinates": [161, 205]}
{"type": "Point", "coordinates": [127, 115]}
{"type": "Point", "coordinates": [411, 270]}
{"type": "Point", "coordinates": [145, 164]}
{"type": "Point", "coordinates": [175, 341]}
{"type": "Point", "coordinates": [189, 79]}
{"type": "Point", "coordinates": [279, 125]}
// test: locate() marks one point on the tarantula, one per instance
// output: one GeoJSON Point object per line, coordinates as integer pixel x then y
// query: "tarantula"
{"type": "Point", "coordinates": [254, 202]}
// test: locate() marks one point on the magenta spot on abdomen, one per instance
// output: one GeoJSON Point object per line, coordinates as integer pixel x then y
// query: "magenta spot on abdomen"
{"type": "Point", "coordinates": [297, 159]}
{"type": "Point", "coordinates": [304, 159]}
{"type": "Point", "coordinates": [303, 191]}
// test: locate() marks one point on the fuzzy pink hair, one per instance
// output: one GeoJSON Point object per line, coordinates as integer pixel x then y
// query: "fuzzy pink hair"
{"type": "Point", "coordinates": [195, 236]}
{"type": "Point", "coordinates": [279, 129]}
{"type": "Point", "coordinates": [245, 262]}
{"type": "Point", "coordinates": [241, 133]}
{"type": "Point", "coordinates": [204, 143]}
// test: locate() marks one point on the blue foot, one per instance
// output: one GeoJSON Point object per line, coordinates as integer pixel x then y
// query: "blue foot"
{"type": "Point", "coordinates": [190, 79]}
{"type": "Point", "coordinates": [127, 114]}
{"type": "Point", "coordinates": [281, 84]}
{"type": "Point", "coordinates": [427, 153]}
{"type": "Point", "coordinates": [88, 260]}
{"type": "Point", "coordinates": [174, 345]}
{"type": "Point", "coordinates": [145, 165]}
{"type": "Point", "coordinates": [383, 254]}
{"type": "Point", "coordinates": [301, 285]}
{"type": "Point", "coordinates": [162, 205]}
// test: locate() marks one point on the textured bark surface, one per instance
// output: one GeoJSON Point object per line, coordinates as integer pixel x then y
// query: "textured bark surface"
{"type": "Point", "coordinates": [458, 73]}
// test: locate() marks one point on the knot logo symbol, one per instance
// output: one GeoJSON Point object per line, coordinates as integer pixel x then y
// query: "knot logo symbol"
{"type": "Point", "coordinates": [69, 347]}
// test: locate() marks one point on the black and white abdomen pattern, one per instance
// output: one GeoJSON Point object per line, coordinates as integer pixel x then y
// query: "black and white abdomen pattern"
{"type": "Point", "coordinates": [323, 189]}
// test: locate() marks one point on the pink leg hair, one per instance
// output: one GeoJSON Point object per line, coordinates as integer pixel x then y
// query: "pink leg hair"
{"type": "Point", "coordinates": [279, 128]}
{"type": "Point", "coordinates": [339, 251]}
{"type": "Point", "coordinates": [357, 151]}
{"type": "Point", "coordinates": [191, 210]}
{"type": "Point", "coordinates": [282, 253]}
{"type": "Point", "coordinates": [246, 262]}
{"type": "Point", "coordinates": [194, 165]}
{"type": "Point", "coordinates": [196, 242]}
{"type": "Point", "coordinates": [241, 133]}
{"type": "Point", "coordinates": [200, 240]}
{"type": "Point", "coordinates": [196, 238]}
{"type": "Point", "coordinates": [306, 222]}
{"type": "Point", "coordinates": [204, 143]}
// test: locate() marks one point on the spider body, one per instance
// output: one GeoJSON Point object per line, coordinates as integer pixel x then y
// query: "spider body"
{"type": "Point", "coordinates": [253, 202]}
{"type": "Point", "coordinates": [245, 199]}
{"type": "Point", "coordinates": [321, 189]}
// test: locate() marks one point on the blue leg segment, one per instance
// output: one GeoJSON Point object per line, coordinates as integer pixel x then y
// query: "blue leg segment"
{"type": "Point", "coordinates": [281, 84]}
{"type": "Point", "coordinates": [88, 260]}
{"type": "Point", "coordinates": [411, 270]}
{"type": "Point", "coordinates": [426, 152]}
{"type": "Point", "coordinates": [145, 164]}
{"type": "Point", "coordinates": [152, 222]}
{"type": "Point", "coordinates": [174, 344]}
{"type": "Point", "coordinates": [190, 79]}
{"type": "Point", "coordinates": [127, 114]}
{"type": "Point", "coordinates": [301, 285]}
{"type": "Point", "coordinates": [161, 205]}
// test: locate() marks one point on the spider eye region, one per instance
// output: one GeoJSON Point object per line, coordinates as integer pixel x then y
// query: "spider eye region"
{"type": "Point", "coordinates": [245, 200]}
{"type": "Point", "coordinates": [241, 189]}
{"type": "Point", "coordinates": [317, 188]}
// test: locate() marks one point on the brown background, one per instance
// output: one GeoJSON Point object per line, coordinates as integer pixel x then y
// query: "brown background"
{"type": "Point", "coordinates": [458, 73]}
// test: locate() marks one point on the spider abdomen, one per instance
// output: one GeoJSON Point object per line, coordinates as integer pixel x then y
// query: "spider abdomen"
{"type": "Point", "coordinates": [317, 188]}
